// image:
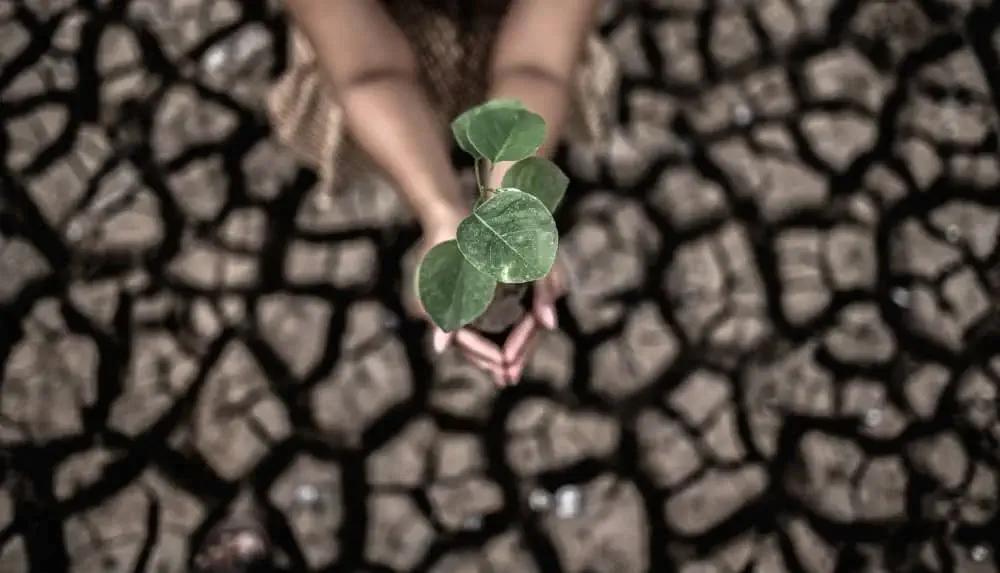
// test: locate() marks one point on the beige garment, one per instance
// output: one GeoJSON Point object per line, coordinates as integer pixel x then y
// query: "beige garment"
{"type": "Point", "coordinates": [453, 62]}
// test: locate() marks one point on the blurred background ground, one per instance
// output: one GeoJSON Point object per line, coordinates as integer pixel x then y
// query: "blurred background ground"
{"type": "Point", "coordinates": [781, 354]}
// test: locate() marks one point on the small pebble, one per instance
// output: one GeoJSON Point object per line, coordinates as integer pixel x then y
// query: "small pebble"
{"type": "Point", "coordinates": [953, 233]}
{"type": "Point", "coordinates": [900, 296]}
{"type": "Point", "coordinates": [76, 230]}
{"type": "Point", "coordinates": [540, 500]}
{"type": "Point", "coordinates": [249, 44]}
{"type": "Point", "coordinates": [569, 502]}
{"type": "Point", "coordinates": [307, 494]}
{"type": "Point", "coordinates": [980, 553]}
{"type": "Point", "coordinates": [216, 58]}
{"type": "Point", "coordinates": [248, 545]}
{"type": "Point", "coordinates": [873, 417]}
{"type": "Point", "coordinates": [742, 114]}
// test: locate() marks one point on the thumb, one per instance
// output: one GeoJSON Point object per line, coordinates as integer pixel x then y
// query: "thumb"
{"type": "Point", "coordinates": [544, 303]}
{"type": "Point", "coordinates": [441, 340]}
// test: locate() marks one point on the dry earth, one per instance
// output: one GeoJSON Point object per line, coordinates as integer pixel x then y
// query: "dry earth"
{"type": "Point", "coordinates": [781, 354]}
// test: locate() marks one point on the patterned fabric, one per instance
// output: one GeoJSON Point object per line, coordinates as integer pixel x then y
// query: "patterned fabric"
{"type": "Point", "coordinates": [453, 53]}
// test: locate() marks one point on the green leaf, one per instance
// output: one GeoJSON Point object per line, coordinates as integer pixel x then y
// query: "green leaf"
{"type": "Point", "coordinates": [539, 177]}
{"type": "Point", "coordinates": [460, 129]}
{"type": "Point", "coordinates": [453, 292]}
{"type": "Point", "coordinates": [460, 126]}
{"type": "Point", "coordinates": [504, 132]}
{"type": "Point", "coordinates": [511, 237]}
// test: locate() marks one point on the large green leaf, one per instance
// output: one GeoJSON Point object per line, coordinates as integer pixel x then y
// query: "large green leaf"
{"type": "Point", "coordinates": [460, 126]}
{"type": "Point", "coordinates": [511, 237]}
{"type": "Point", "coordinates": [453, 292]}
{"type": "Point", "coordinates": [499, 130]}
{"type": "Point", "coordinates": [539, 177]}
{"type": "Point", "coordinates": [505, 133]}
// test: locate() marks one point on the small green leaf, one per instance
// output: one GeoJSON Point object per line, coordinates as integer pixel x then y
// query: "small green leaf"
{"type": "Point", "coordinates": [539, 177]}
{"type": "Point", "coordinates": [452, 291]}
{"type": "Point", "coordinates": [511, 237]}
{"type": "Point", "coordinates": [505, 133]}
{"type": "Point", "coordinates": [460, 130]}
{"type": "Point", "coordinates": [460, 126]}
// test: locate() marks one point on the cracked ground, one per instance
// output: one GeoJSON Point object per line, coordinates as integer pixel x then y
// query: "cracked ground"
{"type": "Point", "coordinates": [781, 353]}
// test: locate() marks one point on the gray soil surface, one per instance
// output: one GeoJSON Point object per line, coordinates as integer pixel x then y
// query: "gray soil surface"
{"type": "Point", "coordinates": [782, 351]}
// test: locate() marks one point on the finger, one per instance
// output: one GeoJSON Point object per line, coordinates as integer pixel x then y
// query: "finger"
{"type": "Point", "coordinates": [544, 304]}
{"type": "Point", "coordinates": [521, 334]}
{"type": "Point", "coordinates": [488, 365]}
{"type": "Point", "coordinates": [441, 340]}
{"type": "Point", "coordinates": [495, 371]}
{"type": "Point", "coordinates": [527, 348]}
{"type": "Point", "coordinates": [478, 345]}
{"type": "Point", "coordinates": [557, 279]}
{"type": "Point", "coordinates": [515, 370]}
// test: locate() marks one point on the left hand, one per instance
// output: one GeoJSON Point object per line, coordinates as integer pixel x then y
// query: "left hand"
{"type": "Point", "coordinates": [524, 337]}
{"type": "Point", "coordinates": [475, 347]}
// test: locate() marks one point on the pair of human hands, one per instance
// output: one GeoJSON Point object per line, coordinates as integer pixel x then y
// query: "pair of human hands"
{"type": "Point", "coordinates": [505, 364]}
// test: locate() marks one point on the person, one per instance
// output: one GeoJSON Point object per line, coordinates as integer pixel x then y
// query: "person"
{"type": "Point", "coordinates": [383, 79]}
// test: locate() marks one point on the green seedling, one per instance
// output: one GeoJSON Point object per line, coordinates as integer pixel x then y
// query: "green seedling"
{"type": "Point", "coordinates": [510, 237]}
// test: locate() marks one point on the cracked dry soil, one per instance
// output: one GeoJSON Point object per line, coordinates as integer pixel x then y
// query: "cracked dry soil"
{"type": "Point", "coordinates": [781, 355]}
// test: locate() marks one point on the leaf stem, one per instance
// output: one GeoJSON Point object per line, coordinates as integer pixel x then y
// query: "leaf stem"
{"type": "Point", "coordinates": [481, 178]}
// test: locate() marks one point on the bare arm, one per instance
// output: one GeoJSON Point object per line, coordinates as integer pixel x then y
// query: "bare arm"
{"type": "Point", "coordinates": [373, 72]}
{"type": "Point", "coordinates": [536, 54]}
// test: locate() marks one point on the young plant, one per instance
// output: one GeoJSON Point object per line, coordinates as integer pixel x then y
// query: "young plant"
{"type": "Point", "coordinates": [510, 237]}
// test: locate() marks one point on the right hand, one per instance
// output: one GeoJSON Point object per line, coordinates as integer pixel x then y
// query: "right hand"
{"type": "Point", "coordinates": [475, 347]}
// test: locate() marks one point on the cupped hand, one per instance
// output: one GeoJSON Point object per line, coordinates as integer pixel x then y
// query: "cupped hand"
{"type": "Point", "coordinates": [505, 365]}
{"type": "Point", "coordinates": [523, 338]}
{"type": "Point", "coordinates": [476, 348]}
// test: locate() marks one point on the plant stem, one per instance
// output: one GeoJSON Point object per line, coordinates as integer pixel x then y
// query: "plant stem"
{"type": "Point", "coordinates": [481, 178]}
{"type": "Point", "coordinates": [477, 167]}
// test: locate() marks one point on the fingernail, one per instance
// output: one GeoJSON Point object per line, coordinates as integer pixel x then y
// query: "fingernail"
{"type": "Point", "coordinates": [512, 377]}
{"type": "Point", "coordinates": [547, 316]}
{"type": "Point", "coordinates": [439, 341]}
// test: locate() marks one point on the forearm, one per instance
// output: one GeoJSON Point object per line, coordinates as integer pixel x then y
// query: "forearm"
{"type": "Point", "coordinates": [391, 120]}
{"type": "Point", "coordinates": [373, 74]}
{"type": "Point", "coordinates": [537, 52]}
{"type": "Point", "coordinates": [544, 95]}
